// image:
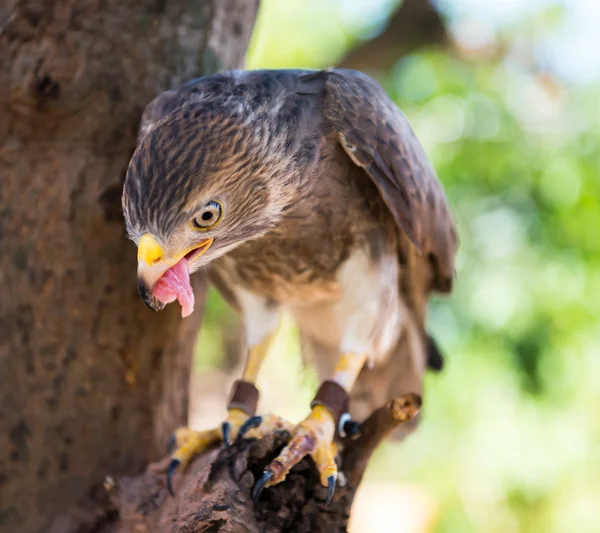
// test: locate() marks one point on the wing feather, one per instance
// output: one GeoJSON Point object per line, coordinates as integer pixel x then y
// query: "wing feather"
{"type": "Point", "coordinates": [377, 136]}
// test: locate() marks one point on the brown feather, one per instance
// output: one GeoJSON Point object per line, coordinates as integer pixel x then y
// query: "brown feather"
{"type": "Point", "coordinates": [316, 168]}
{"type": "Point", "coordinates": [377, 137]}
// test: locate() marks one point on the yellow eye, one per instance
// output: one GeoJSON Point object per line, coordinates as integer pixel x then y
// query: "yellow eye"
{"type": "Point", "coordinates": [209, 216]}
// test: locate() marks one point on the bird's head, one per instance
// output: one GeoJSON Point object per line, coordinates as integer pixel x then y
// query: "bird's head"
{"type": "Point", "coordinates": [202, 182]}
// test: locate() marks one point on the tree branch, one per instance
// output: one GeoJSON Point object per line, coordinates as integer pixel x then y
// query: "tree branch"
{"type": "Point", "coordinates": [415, 24]}
{"type": "Point", "coordinates": [214, 494]}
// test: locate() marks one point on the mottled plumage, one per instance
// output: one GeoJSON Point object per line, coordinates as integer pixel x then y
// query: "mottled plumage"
{"type": "Point", "coordinates": [330, 210]}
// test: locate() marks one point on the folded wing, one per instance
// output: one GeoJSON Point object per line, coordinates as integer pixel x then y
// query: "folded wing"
{"type": "Point", "coordinates": [377, 137]}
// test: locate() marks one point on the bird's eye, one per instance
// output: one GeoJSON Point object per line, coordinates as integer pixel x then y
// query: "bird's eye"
{"type": "Point", "coordinates": [208, 216]}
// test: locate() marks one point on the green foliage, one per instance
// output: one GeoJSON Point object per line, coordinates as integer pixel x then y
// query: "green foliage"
{"type": "Point", "coordinates": [516, 411]}
{"type": "Point", "coordinates": [510, 435]}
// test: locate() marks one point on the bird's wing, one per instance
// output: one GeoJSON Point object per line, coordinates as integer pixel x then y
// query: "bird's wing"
{"type": "Point", "coordinates": [377, 137]}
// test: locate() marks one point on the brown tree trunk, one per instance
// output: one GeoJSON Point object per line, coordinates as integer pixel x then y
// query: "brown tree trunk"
{"type": "Point", "coordinates": [91, 382]}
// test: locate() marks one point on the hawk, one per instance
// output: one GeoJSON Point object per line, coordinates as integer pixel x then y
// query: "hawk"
{"type": "Point", "coordinates": [304, 191]}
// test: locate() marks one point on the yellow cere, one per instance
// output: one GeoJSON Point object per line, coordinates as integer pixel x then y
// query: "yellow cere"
{"type": "Point", "coordinates": [149, 250]}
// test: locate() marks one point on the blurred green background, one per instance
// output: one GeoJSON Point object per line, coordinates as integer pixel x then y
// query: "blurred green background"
{"type": "Point", "coordinates": [506, 103]}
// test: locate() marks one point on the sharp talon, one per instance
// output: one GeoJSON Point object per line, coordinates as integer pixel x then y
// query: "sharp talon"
{"type": "Point", "coordinates": [251, 423]}
{"type": "Point", "coordinates": [173, 465]}
{"type": "Point", "coordinates": [171, 443]}
{"type": "Point", "coordinates": [330, 489]}
{"type": "Point", "coordinates": [260, 485]}
{"type": "Point", "coordinates": [225, 427]}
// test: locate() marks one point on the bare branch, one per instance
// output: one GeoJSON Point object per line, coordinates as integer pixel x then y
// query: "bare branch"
{"type": "Point", "coordinates": [415, 24]}
{"type": "Point", "coordinates": [214, 494]}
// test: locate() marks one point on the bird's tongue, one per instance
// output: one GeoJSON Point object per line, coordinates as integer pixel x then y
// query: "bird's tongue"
{"type": "Point", "coordinates": [175, 285]}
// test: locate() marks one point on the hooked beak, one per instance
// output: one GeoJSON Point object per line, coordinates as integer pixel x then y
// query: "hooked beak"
{"type": "Point", "coordinates": [153, 264]}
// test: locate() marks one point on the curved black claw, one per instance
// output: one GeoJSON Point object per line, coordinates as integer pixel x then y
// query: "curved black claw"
{"type": "Point", "coordinates": [260, 485]}
{"type": "Point", "coordinates": [330, 489]}
{"type": "Point", "coordinates": [225, 428]}
{"type": "Point", "coordinates": [171, 443]}
{"type": "Point", "coordinates": [173, 465]}
{"type": "Point", "coordinates": [251, 423]}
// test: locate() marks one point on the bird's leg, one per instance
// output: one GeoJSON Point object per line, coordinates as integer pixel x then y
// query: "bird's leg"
{"type": "Point", "coordinates": [240, 413]}
{"type": "Point", "coordinates": [242, 405]}
{"type": "Point", "coordinates": [314, 435]}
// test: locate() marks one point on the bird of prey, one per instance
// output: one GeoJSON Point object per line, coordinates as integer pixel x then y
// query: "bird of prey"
{"type": "Point", "coordinates": [303, 191]}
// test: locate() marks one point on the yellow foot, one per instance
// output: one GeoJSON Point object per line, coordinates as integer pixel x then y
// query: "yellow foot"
{"type": "Point", "coordinates": [314, 437]}
{"type": "Point", "coordinates": [188, 443]}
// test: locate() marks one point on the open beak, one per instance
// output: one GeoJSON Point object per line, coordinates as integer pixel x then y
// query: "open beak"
{"type": "Point", "coordinates": [153, 264]}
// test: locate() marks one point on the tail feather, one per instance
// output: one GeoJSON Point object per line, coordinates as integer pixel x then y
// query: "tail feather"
{"type": "Point", "coordinates": [435, 359]}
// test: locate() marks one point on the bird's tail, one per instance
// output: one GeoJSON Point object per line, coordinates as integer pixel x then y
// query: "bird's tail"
{"type": "Point", "coordinates": [401, 372]}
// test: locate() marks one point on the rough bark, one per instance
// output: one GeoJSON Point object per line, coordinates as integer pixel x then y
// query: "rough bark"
{"type": "Point", "coordinates": [214, 494]}
{"type": "Point", "coordinates": [416, 23]}
{"type": "Point", "coordinates": [91, 382]}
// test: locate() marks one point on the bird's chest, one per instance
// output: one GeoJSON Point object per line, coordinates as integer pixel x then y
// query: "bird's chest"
{"type": "Point", "coordinates": [336, 214]}
{"type": "Point", "coordinates": [289, 270]}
